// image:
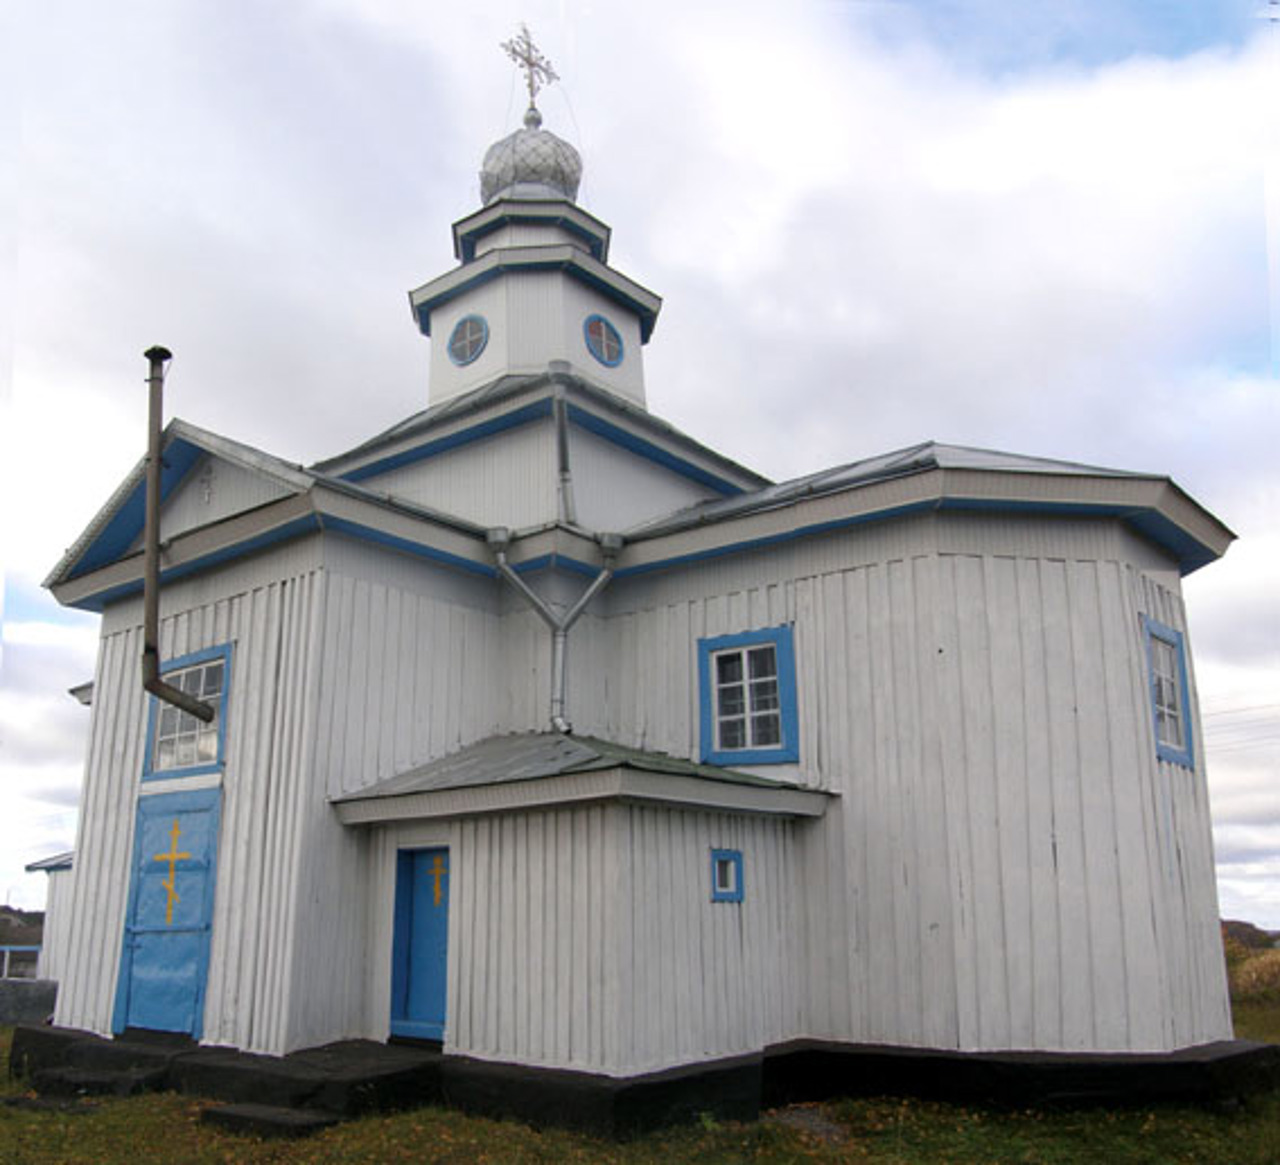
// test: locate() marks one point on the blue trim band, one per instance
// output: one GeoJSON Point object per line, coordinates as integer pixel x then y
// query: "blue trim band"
{"type": "Point", "coordinates": [788, 750]}
{"type": "Point", "coordinates": [127, 522]}
{"type": "Point", "coordinates": [628, 440]}
{"type": "Point", "coordinates": [511, 420]}
{"type": "Point", "coordinates": [467, 239]}
{"type": "Point", "coordinates": [367, 534]}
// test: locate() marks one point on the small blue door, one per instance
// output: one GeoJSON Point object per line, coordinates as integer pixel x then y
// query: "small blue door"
{"type": "Point", "coordinates": [420, 948]}
{"type": "Point", "coordinates": [167, 925]}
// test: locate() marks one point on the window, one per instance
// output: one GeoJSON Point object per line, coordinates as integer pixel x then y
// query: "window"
{"type": "Point", "coordinates": [179, 744]}
{"type": "Point", "coordinates": [1170, 707]}
{"type": "Point", "coordinates": [748, 698]}
{"type": "Point", "coordinates": [468, 339]}
{"type": "Point", "coordinates": [726, 875]}
{"type": "Point", "coordinates": [603, 340]}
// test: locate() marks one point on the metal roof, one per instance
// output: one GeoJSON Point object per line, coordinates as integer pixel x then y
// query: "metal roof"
{"type": "Point", "coordinates": [529, 756]}
{"type": "Point", "coordinates": [62, 861]}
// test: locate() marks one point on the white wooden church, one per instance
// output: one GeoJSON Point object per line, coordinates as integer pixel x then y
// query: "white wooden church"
{"type": "Point", "coordinates": [547, 732]}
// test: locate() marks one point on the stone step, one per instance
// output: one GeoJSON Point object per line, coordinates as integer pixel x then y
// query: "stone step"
{"type": "Point", "coordinates": [77, 1081]}
{"type": "Point", "coordinates": [269, 1120]}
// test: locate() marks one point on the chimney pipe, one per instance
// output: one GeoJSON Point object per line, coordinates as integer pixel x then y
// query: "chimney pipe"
{"type": "Point", "coordinates": [151, 681]}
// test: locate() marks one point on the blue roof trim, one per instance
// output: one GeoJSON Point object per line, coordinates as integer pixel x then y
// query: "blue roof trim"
{"type": "Point", "coordinates": [296, 528]}
{"type": "Point", "coordinates": [511, 420]}
{"type": "Point", "coordinates": [127, 523]}
{"type": "Point", "coordinates": [648, 318]}
{"type": "Point", "coordinates": [418, 549]}
{"type": "Point", "coordinates": [627, 440]}
{"type": "Point", "coordinates": [556, 562]}
{"type": "Point", "coordinates": [1190, 553]}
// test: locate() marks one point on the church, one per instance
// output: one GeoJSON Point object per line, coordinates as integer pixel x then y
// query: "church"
{"type": "Point", "coordinates": [545, 733]}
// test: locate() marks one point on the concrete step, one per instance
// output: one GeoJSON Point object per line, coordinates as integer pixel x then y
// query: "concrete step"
{"type": "Point", "coordinates": [76, 1081]}
{"type": "Point", "coordinates": [269, 1120]}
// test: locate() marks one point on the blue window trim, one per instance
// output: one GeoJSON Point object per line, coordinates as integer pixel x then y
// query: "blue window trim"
{"type": "Point", "coordinates": [1184, 756]}
{"type": "Point", "coordinates": [734, 856]}
{"type": "Point", "coordinates": [617, 335]}
{"type": "Point", "coordinates": [222, 652]}
{"type": "Point", "coordinates": [484, 341]}
{"type": "Point", "coordinates": [789, 749]}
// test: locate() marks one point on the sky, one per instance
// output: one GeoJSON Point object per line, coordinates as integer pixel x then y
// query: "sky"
{"type": "Point", "coordinates": [1046, 228]}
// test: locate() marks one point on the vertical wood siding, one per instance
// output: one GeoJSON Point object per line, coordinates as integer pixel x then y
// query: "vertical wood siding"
{"type": "Point", "coordinates": [55, 946]}
{"type": "Point", "coordinates": [586, 937]}
{"type": "Point", "coordinates": [1009, 865]}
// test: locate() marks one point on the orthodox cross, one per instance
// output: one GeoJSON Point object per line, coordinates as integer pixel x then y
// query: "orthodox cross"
{"type": "Point", "coordinates": [537, 69]}
{"type": "Point", "coordinates": [173, 857]}
{"type": "Point", "coordinates": [437, 871]}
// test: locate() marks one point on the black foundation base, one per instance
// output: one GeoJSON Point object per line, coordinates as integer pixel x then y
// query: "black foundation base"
{"type": "Point", "coordinates": [356, 1077]}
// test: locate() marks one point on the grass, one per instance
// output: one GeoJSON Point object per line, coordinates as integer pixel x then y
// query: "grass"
{"type": "Point", "coordinates": [166, 1129]}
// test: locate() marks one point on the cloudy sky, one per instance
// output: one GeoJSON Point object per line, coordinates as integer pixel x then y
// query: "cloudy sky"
{"type": "Point", "coordinates": [1033, 226]}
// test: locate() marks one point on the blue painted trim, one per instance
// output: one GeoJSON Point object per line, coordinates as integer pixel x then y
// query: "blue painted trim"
{"type": "Point", "coordinates": [782, 639]}
{"type": "Point", "coordinates": [173, 803]}
{"type": "Point", "coordinates": [628, 440]}
{"type": "Point", "coordinates": [1144, 522]}
{"type": "Point", "coordinates": [368, 534]}
{"type": "Point", "coordinates": [511, 420]}
{"type": "Point", "coordinates": [223, 652]}
{"type": "Point", "coordinates": [591, 346]}
{"type": "Point", "coordinates": [309, 524]}
{"type": "Point", "coordinates": [401, 926]}
{"type": "Point", "coordinates": [484, 340]}
{"type": "Point", "coordinates": [734, 856]}
{"type": "Point", "coordinates": [647, 318]}
{"type": "Point", "coordinates": [1184, 756]}
{"type": "Point", "coordinates": [556, 562]}
{"type": "Point", "coordinates": [127, 522]}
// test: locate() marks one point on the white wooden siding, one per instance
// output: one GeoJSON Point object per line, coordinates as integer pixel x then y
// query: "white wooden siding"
{"type": "Point", "coordinates": [509, 480]}
{"type": "Point", "coordinates": [55, 946]}
{"type": "Point", "coordinates": [1009, 865]}
{"type": "Point", "coordinates": [616, 489]}
{"type": "Point", "coordinates": [586, 938]}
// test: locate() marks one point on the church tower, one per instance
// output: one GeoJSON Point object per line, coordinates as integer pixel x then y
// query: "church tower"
{"type": "Point", "coordinates": [534, 285]}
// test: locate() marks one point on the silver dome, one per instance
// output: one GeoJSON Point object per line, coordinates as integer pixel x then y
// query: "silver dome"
{"type": "Point", "coordinates": [530, 163]}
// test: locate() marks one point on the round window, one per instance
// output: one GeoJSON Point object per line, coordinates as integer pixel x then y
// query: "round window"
{"type": "Point", "coordinates": [603, 340]}
{"type": "Point", "coordinates": [470, 335]}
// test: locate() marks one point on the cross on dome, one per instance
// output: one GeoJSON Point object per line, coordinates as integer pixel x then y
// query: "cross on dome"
{"type": "Point", "coordinates": [537, 69]}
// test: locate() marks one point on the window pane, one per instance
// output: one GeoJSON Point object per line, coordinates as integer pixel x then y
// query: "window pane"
{"type": "Point", "coordinates": [763, 662]}
{"type": "Point", "coordinates": [764, 695]}
{"type": "Point", "coordinates": [186, 751]}
{"type": "Point", "coordinates": [729, 667]}
{"type": "Point", "coordinates": [733, 734]}
{"type": "Point", "coordinates": [165, 755]}
{"type": "Point", "coordinates": [212, 680]}
{"type": "Point", "coordinates": [724, 874]}
{"type": "Point", "coordinates": [765, 730]}
{"type": "Point", "coordinates": [168, 720]}
{"type": "Point", "coordinates": [207, 750]}
{"type": "Point", "coordinates": [730, 701]}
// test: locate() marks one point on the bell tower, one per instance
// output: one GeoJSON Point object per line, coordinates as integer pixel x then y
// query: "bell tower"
{"type": "Point", "coordinates": [533, 283]}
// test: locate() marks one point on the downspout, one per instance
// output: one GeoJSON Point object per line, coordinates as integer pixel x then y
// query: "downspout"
{"type": "Point", "coordinates": [568, 510]}
{"type": "Point", "coordinates": [151, 680]}
{"type": "Point", "coordinates": [610, 544]}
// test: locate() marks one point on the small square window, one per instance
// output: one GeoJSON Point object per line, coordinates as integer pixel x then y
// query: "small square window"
{"type": "Point", "coordinates": [748, 698]}
{"type": "Point", "coordinates": [726, 875]}
{"type": "Point", "coordinates": [1170, 697]}
{"type": "Point", "coordinates": [180, 744]}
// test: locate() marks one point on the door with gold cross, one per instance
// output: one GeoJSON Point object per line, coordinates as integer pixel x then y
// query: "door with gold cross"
{"type": "Point", "coordinates": [420, 948]}
{"type": "Point", "coordinates": [165, 956]}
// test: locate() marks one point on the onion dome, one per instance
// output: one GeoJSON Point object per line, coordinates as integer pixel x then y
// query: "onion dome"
{"type": "Point", "coordinates": [531, 163]}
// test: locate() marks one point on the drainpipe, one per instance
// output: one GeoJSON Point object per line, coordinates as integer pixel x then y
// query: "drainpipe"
{"type": "Point", "coordinates": [568, 510]}
{"type": "Point", "coordinates": [610, 544]}
{"type": "Point", "coordinates": [151, 680]}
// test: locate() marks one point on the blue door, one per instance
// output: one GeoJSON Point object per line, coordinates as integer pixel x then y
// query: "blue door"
{"type": "Point", "coordinates": [421, 945]}
{"type": "Point", "coordinates": [167, 925]}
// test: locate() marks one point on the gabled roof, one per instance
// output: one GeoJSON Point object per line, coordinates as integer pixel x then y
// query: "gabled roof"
{"type": "Point", "coordinates": [102, 564]}
{"type": "Point", "coordinates": [937, 476]}
{"type": "Point", "coordinates": [538, 769]}
{"type": "Point", "coordinates": [496, 405]}
{"type": "Point", "coordinates": [48, 865]}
